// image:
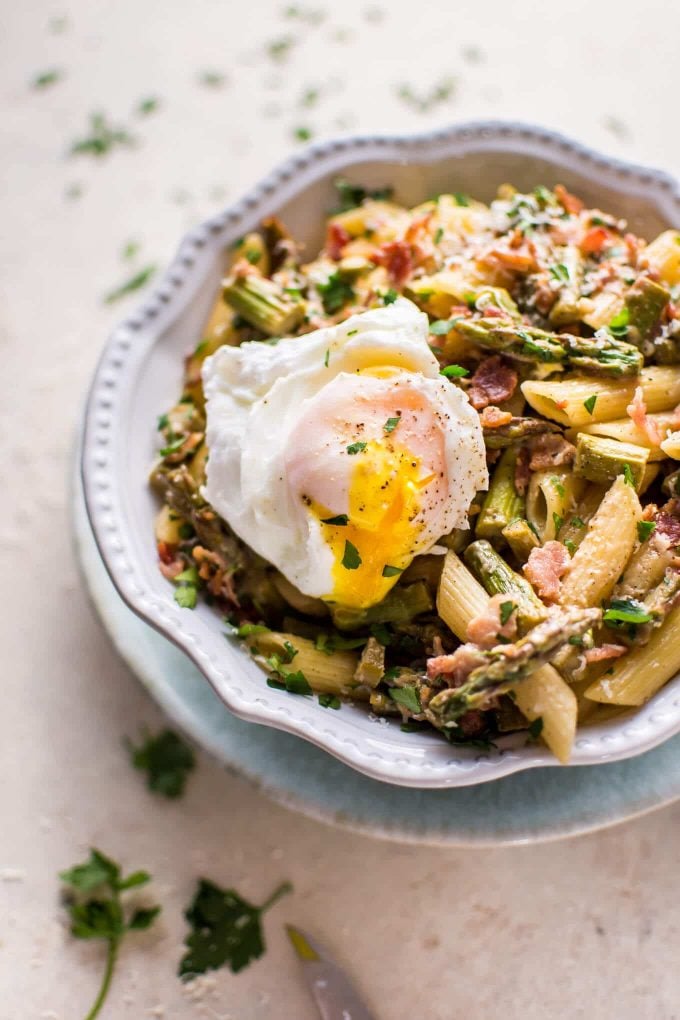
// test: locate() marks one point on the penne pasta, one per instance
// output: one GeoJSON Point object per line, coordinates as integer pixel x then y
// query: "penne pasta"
{"type": "Point", "coordinates": [570, 401]}
{"type": "Point", "coordinates": [602, 555]}
{"type": "Point", "coordinates": [543, 694]}
{"type": "Point", "coordinates": [551, 497]}
{"type": "Point", "coordinates": [671, 445]}
{"type": "Point", "coordinates": [327, 674]}
{"type": "Point", "coordinates": [636, 677]}
{"type": "Point", "coordinates": [664, 255]}
{"type": "Point", "coordinates": [626, 431]}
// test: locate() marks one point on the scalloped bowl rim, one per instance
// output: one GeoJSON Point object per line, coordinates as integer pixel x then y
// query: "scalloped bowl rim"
{"type": "Point", "coordinates": [367, 748]}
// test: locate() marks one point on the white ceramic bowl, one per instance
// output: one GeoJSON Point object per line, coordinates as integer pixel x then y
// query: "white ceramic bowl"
{"type": "Point", "coordinates": [138, 377]}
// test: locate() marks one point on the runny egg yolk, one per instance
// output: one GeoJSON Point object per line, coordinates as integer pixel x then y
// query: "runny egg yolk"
{"type": "Point", "coordinates": [380, 536]}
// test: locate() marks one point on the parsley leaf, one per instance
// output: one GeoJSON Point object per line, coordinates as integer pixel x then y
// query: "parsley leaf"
{"type": "Point", "coordinates": [147, 106]}
{"type": "Point", "coordinates": [438, 235]}
{"type": "Point", "coordinates": [390, 296]}
{"type": "Point", "coordinates": [619, 324]}
{"type": "Point", "coordinates": [461, 199]}
{"type": "Point", "coordinates": [351, 559]}
{"type": "Point", "coordinates": [578, 522]}
{"type": "Point", "coordinates": [454, 372]}
{"type": "Point", "coordinates": [506, 611]}
{"type": "Point", "coordinates": [167, 761]}
{"type": "Point", "coordinates": [391, 424]}
{"type": "Point", "coordinates": [557, 485]}
{"type": "Point", "coordinates": [356, 448]}
{"type": "Point", "coordinates": [408, 697]}
{"type": "Point", "coordinates": [335, 293]}
{"type": "Point", "coordinates": [327, 358]}
{"type": "Point", "coordinates": [292, 681]}
{"type": "Point", "coordinates": [329, 701]}
{"type": "Point", "coordinates": [339, 522]}
{"type": "Point", "coordinates": [96, 910]}
{"type": "Point", "coordinates": [589, 404]}
{"type": "Point", "coordinates": [628, 475]}
{"type": "Point", "coordinates": [225, 929]}
{"type": "Point", "coordinates": [440, 327]}
{"type": "Point", "coordinates": [135, 282]}
{"type": "Point", "coordinates": [557, 521]}
{"type": "Point", "coordinates": [388, 571]}
{"type": "Point", "coordinates": [626, 611]}
{"type": "Point", "coordinates": [101, 139]}
{"type": "Point", "coordinates": [187, 591]}
{"type": "Point", "coordinates": [560, 273]}
{"type": "Point", "coordinates": [645, 529]}
{"type": "Point", "coordinates": [352, 195]}
{"type": "Point", "coordinates": [46, 78]}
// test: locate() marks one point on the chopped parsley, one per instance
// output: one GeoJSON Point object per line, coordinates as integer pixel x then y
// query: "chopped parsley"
{"type": "Point", "coordinates": [102, 138]}
{"type": "Point", "coordinates": [557, 485]}
{"type": "Point", "coordinates": [628, 475]}
{"type": "Point", "coordinates": [352, 332]}
{"type": "Point", "coordinates": [351, 560]}
{"type": "Point", "coordinates": [626, 611]}
{"type": "Point", "coordinates": [225, 929]}
{"type": "Point", "coordinates": [211, 79]}
{"type": "Point", "coordinates": [356, 448]}
{"type": "Point", "coordinates": [173, 446]}
{"type": "Point", "coordinates": [578, 522]}
{"type": "Point", "coordinates": [461, 199]}
{"type": "Point", "coordinates": [339, 521]}
{"type": "Point", "coordinates": [389, 571]}
{"type": "Point", "coordinates": [455, 372]}
{"type": "Point", "coordinates": [248, 629]}
{"type": "Point", "coordinates": [330, 643]}
{"type": "Point", "coordinates": [441, 326]}
{"type": "Point", "coordinates": [535, 728]}
{"type": "Point", "coordinates": [589, 404]}
{"type": "Point", "coordinates": [46, 78]}
{"type": "Point", "coordinates": [335, 293]}
{"type": "Point", "coordinates": [575, 639]}
{"type": "Point", "coordinates": [381, 633]}
{"type": "Point", "coordinates": [148, 106]}
{"type": "Point", "coordinates": [96, 910]}
{"type": "Point", "coordinates": [645, 529]}
{"type": "Point", "coordinates": [253, 256]}
{"type": "Point", "coordinates": [557, 521]}
{"type": "Point", "coordinates": [560, 272]}
{"type": "Point", "coordinates": [327, 357]}
{"type": "Point", "coordinates": [302, 133]}
{"type": "Point", "coordinates": [187, 590]}
{"type": "Point", "coordinates": [569, 546]}
{"type": "Point", "coordinates": [391, 424]}
{"type": "Point", "coordinates": [408, 697]}
{"type": "Point", "coordinates": [506, 611]}
{"type": "Point", "coordinates": [163, 422]}
{"type": "Point", "coordinates": [438, 235]}
{"type": "Point", "coordinates": [284, 679]}
{"type": "Point", "coordinates": [135, 282]}
{"type": "Point", "coordinates": [352, 195]}
{"type": "Point", "coordinates": [390, 296]}
{"type": "Point", "coordinates": [167, 760]}
{"type": "Point", "coordinates": [619, 324]}
{"type": "Point", "coordinates": [329, 701]}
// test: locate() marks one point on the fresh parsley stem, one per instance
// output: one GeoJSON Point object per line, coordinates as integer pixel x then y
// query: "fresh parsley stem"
{"type": "Point", "coordinates": [111, 955]}
{"type": "Point", "coordinates": [280, 891]}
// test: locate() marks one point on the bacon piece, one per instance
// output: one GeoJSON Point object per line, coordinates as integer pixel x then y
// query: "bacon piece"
{"type": "Point", "coordinates": [569, 202]}
{"type": "Point", "coordinates": [550, 451]}
{"type": "Point", "coordinates": [336, 239]}
{"type": "Point", "coordinates": [493, 418]}
{"type": "Point", "coordinates": [171, 570]}
{"type": "Point", "coordinates": [415, 229]}
{"type": "Point", "coordinates": [493, 381]}
{"type": "Point", "coordinates": [397, 258]}
{"type": "Point", "coordinates": [669, 525]}
{"type": "Point", "coordinates": [637, 412]}
{"type": "Point", "coordinates": [165, 552]}
{"type": "Point", "coordinates": [545, 567]}
{"type": "Point", "coordinates": [522, 471]}
{"type": "Point", "coordinates": [486, 629]}
{"type": "Point", "coordinates": [633, 245]}
{"type": "Point", "coordinates": [214, 570]}
{"type": "Point", "coordinates": [519, 261]}
{"type": "Point", "coordinates": [604, 652]}
{"type": "Point", "coordinates": [456, 667]}
{"type": "Point", "coordinates": [594, 241]}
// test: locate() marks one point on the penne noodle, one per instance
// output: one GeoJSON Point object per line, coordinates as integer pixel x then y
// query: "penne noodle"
{"type": "Point", "coordinates": [664, 255]}
{"type": "Point", "coordinates": [626, 431]}
{"type": "Point", "coordinates": [327, 674]}
{"type": "Point", "coordinates": [636, 677]}
{"type": "Point", "coordinates": [606, 548]}
{"type": "Point", "coordinates": [543, 694]}
{"type": "Point", "coordinates": [565, 400]}
{"type": "Point", "coordinates": [671, 445]}
{"type": "Point", "coordinates": [551, 498]}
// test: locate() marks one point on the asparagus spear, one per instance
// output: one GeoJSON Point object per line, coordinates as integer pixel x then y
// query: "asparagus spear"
{"type": "Point", "coordinates": [516, 431]}
{"type": "Point", "coordinates": [658, 603]}
{"type": "Point", "coordinates": [502, 502]}
{"type": "Point", "coordinates": [371, 668]}
{"type": "Point", "coordinates": [597, 355]}
{"type": "Point", "coordinates": [600, 459]}
{"type": "Point", "coordinates": [521, 539]}
{"type": "Point", "coordinates": [264, 304]}
{"type": "Point", "coordinates": [506, 665]}
{"type": "Point", "coordinates": [496, 576]}
{"type": "Point", "coordinates": [645, 303]}
{"type": "Point", "coordinates": [399, 606]}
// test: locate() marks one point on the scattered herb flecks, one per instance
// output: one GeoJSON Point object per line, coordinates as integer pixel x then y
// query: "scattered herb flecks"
{"type": "Point", "coordinates": [96, 910]}
{"type": "Point", "coordinates": [167, 760]}
{"type": "Point", "coordinates": [212, 79]}
{"type": "Point", "coordinates": [423, 102]}
{"type": "Point", "coordinates": [147, 106]}
{"type": "Point", "coordinates": [351, 560]}
{"type": "Point", "coordinates": [302, 133]}
{"type": "Point", "coordinates": [47, 78]}
{"type": "Point", "coordinates": [102, 138]}
{"type": "Point", "coordinates": [408, 697]}
{"type": "Point", "coordinates": [225, 929]}
{"type": "Point", "coordinates": [335, 293]}
{"type": "Point", "coordinates": [135, 282]}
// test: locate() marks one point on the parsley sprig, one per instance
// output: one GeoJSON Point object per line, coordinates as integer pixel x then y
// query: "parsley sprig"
{"type": "Point", "coordinates": [96, 911]}
{"type": "Point", "coordinates": [225, 929]}
{"type": "Point", "coordinates": [167, 761]}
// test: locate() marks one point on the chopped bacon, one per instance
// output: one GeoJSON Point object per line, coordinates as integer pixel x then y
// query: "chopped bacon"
{"type": "Point", "coordinates": [603, 652]}
{"type": "Point", "coordinates": [522, 471]}
{"type": "Point", "coordinates": [637, 412]}
{"type": "Point", "coordinates": [493, 312]}
{"type": "Point", "coordinates": [493, 418]}
{"type": "Point", "coordinates": [545, 567]}
{"type": "Point", "coordinates": [336, 239]}
{"type": "Point", "coordinates": [166, 553]}
{"type": "Point", "coordinates": [569, 202]}
{"type": "Point", "coordinates": [518, 260]}
{"type": "Point", "coordinates": [633, 245]}
{"type": "Point", "coordinates": [549, 451]}
{"type": "Point", "coordinates": [417, 227]}
{"type": "Point", "coordinates": [397, 258]}
{"type": "Point", "coordinates": [171, 570]}
{"type": "Point", "coordinates": [243, 268]}
{"type": "Point", "coordinates": [214, 570]}
{"type": "Point", "coordinates": [486, 628]}
{"type": "Point", "coordinates": [493, 382]}
{"type": "Point", "coordinates": [473, 723]}
{"type": "Point", "coordinates": [669, 525]}
{"type": "Point", "coordinates": [456, 667]}
{"type": "Point", "coordinates": [594, 241]}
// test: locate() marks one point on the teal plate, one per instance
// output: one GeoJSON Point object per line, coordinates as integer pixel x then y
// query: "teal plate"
{"type": "Point", "coordinates": [527, 807]}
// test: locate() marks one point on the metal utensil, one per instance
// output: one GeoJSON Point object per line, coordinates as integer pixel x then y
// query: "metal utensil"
{"type": "Point", "coordinates": [331, 988]}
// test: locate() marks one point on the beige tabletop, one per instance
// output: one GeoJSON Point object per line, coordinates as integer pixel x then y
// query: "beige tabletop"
{"type": "Point", "coordinates": [587, 928]}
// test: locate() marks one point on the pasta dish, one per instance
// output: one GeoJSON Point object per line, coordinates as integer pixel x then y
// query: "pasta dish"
{"type": "Point", "coordinates": [434, 468]}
